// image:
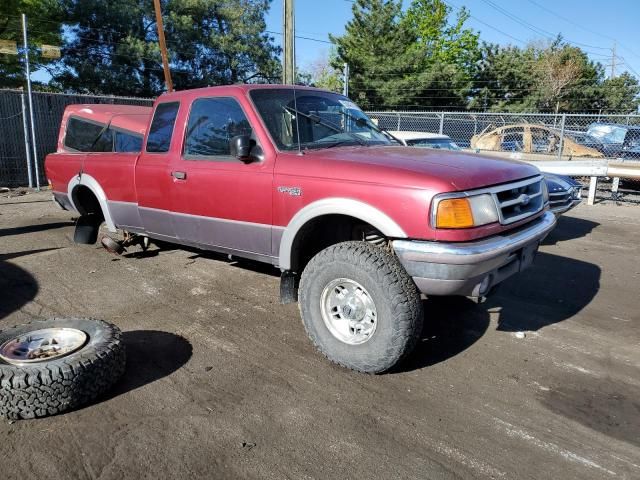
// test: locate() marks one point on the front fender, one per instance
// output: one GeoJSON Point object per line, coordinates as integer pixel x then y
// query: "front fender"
{"type": "Point", "coordinates": [335, 206]}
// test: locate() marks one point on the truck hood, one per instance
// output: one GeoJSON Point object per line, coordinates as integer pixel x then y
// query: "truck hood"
{"type": "Point", "coordinates": [419, 167]}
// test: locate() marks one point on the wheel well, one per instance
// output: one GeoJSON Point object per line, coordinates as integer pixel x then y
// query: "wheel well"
{"type": "Point", "coordinates": [86, 201]}
{"type": "Point", "coordinates": [326, 230]}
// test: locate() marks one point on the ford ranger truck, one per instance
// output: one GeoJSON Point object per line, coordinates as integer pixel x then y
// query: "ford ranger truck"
{"type": "Point", "coordinates": [300, 178]}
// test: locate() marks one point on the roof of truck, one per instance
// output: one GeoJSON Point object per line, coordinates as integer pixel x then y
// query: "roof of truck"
{"type": "Point", "coordinates": [244, 87]}
{"type": "Point", "coordinates": [127, 117]}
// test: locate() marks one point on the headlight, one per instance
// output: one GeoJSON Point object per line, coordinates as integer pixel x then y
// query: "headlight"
{"type": "Point", "coordinates": [577, 193]}
{"type": "Point", "coordinates": [465, 212]}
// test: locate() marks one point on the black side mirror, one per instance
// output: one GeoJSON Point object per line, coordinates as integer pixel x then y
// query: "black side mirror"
{"type": "Point", "coordinates": [240, 147]}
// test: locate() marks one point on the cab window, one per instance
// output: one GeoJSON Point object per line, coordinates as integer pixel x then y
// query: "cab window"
{"type": "Point", "coordinates": [213, 122]}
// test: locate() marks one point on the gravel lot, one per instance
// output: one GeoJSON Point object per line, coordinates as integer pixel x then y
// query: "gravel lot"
{"type": "Point", "coordinates": [223, 383]}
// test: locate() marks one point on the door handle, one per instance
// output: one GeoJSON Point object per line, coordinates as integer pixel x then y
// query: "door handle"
{"type": "Point", "coordinates": [179, 175]}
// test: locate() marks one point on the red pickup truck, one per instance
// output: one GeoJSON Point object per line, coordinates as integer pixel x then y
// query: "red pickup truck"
{"type": "Point", "coordinates": [302, 179]}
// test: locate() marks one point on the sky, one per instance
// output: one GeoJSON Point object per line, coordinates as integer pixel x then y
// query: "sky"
{"type": "Point", "coordinates": [594, 25]}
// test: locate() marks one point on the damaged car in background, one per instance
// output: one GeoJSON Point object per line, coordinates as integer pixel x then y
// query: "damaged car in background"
{"type": "Point", "coordinates": [531, 139]}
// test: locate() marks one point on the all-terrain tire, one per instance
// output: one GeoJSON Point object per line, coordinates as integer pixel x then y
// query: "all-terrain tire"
{"type": "Point", "coordinates": [56, 385]}
{"type": "Point", "coordinates": [397, 301]}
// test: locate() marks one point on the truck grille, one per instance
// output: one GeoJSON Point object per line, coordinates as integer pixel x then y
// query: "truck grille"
{"type": "Point", "coordinates": [560, 199]}
{"type": "Point", "coordinates": [518, 200]}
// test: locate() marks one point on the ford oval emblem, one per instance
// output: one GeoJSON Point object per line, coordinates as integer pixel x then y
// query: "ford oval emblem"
{"type": "Point", "coordinates": [524, 199]}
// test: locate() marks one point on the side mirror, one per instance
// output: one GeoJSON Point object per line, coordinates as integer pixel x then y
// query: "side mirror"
{"type": "Point", "coordinates": [240, 147]}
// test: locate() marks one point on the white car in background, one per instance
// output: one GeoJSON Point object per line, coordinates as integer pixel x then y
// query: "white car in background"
{"type": "Point", "coordinates": [564, 192]}
{"type": "Point", "coordinates": [425, 140]}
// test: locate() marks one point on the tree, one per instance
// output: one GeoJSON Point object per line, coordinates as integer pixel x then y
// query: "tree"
{"type": "Point", "coordinates": [440, 41]}
{"type": "Point", "coordinates": [377, 47]}
{"type": "Point", "coordinates": [320, 73]}
{"type": "Point", "coordinates": [503, 81]}
{"type": "Point", "coordinates": [416, 60]}
{"type": "Point", "coordinates": [112, 46]}
{"type": "Point", "coordinates": [557, 70]}
{"type": "Point", "coordinates": [44, 27]}
{"type": "Point", "coordinates": [620, 94]}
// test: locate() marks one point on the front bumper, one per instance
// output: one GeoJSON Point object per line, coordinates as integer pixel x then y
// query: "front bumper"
{"type": "Point", "coordinates": [563, 201]}
{"type": "Point", "coordinates": [558, 210]}
{"type": "Point", "coordinates": [472, 268]}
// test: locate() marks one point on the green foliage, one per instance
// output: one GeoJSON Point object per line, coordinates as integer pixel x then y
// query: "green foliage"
{"type": "Point", "coordinates": [442, 42]}
{"type": "Point", "coordinates": [426, 58]}
{"type": "Point", "coordinates": [554, 78]}
{"type": "Point", "coordinates": [113, 49]}
{"type": "Point", "coordinates": [620, 94]}
{"type": "Point", "coordinates": [322, 74]}
{"type": "Point", "coordinates": [377, 47]}
{"type": "Point", "coordinates": [415, 59]}
{"type": "Point", "coordinates": [44, 27]}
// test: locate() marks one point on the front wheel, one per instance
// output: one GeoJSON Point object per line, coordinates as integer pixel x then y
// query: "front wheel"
{"type": "Point", "coordinates": [359, 306]}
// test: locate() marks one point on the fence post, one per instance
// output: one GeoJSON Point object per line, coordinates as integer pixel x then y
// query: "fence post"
{"type": "Point", "coordinates": [28, 75]}
{"type": "Point", "coordinates": [25, 129]}
{"type": "Point", "coordinates": [398, 114]}
{"type": "Point", "coordinates": [441, 129]}
{"type": "Point", "coordinates": [561, 145]}
{"type": "Point", "coordinates": [593, 186]}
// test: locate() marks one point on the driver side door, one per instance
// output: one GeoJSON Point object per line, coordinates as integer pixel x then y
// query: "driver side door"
{"type": "Point", "coordinates": [219, 201]}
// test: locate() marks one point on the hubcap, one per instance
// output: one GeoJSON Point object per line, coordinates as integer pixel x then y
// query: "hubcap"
{"type": "Point", "coordinates": [348, 311]}
{"type": "Point", "coordinates": [42, 345]}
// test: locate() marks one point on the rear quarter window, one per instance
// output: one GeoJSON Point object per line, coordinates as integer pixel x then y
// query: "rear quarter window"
{"type": "Point", "coordinates": [126, 142]}
{"type": "Point", "coordinates": [81, 135]}
{"type": "Point", "coordinates": [161, 130]}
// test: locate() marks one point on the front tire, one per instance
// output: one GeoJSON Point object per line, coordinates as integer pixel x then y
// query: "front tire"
{"type": "Point", "coordinates": [360, 307]}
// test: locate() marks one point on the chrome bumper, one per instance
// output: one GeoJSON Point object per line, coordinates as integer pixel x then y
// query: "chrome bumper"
{"type": "Point", "coordinates": [557, 211]}
{"type": "Point", "coordinates": [472, 268]}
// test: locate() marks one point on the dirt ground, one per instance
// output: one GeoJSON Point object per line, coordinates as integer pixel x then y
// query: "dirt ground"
{"type": "Point", "coordinates": [222, 382]}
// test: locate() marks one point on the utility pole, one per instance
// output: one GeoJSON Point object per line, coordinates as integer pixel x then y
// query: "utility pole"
{"type": "Point", "coordinates": [345, 80]}
{"type": "Point", "coordinates": [27, 72]}
{"type": "Point", "coordinates": [163, 46]}
{"type": "Point", "coordinates": [613, 60]}
{"type": "Point", "coordinates": [288, 33]}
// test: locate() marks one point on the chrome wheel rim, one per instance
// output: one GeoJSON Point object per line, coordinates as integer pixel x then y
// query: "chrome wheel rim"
{"type": "Point", "coordinates": [348, 311]}
{"type": "Point", "coordinates": [42, 345]}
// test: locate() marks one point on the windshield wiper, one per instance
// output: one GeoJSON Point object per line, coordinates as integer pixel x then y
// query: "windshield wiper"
{"type": "Point", "coordinates": [319, 121]}
{"type": "Point", "coordinates": [362, 122]}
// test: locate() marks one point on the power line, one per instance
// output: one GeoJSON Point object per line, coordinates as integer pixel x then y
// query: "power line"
{"type": "Point", "coordinates": [487, 25]}
{"type": "Point", "coordinates": [535, 29]}
{"type": "Point", "coordinates": [555, 14]}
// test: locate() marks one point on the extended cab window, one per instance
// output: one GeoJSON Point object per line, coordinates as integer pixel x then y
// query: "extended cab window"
{"type": "Point", "coordinates": [212, 123]}
{"type": "Point", "coordinates": [81, 135]}
{"type": "Point", "coordinates": [161, 128]}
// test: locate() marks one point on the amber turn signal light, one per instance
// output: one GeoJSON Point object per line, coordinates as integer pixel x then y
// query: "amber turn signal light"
{"type": "Point", "coordinates": [454, 213]}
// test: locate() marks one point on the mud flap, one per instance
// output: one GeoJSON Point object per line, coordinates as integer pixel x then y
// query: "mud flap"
{"type": "Point", "coordinates": [288, 288]}
{"type": "Point", "coordinates": [87, 228]}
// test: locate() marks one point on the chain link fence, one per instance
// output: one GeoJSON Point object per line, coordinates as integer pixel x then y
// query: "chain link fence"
{"type": "Point", "coordinates": [533, 136]}
{"type": "Point", "coordinates": [47, 115]}
{"type": "Point", "coordinates": [527, 136]}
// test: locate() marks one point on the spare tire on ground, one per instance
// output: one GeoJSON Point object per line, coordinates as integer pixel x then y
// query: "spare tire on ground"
{"type": "Point", "coordinates": [50, 366]}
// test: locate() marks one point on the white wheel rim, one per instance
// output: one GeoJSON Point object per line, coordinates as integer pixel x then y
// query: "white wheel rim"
{"type": "Point", "coordinates": [348, 311]}
{"type": "Point", "coordinates": [42, 345]}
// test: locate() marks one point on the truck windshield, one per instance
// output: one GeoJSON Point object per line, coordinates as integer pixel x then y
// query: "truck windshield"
{"type": "Point", "coordinates": [310, 119]}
